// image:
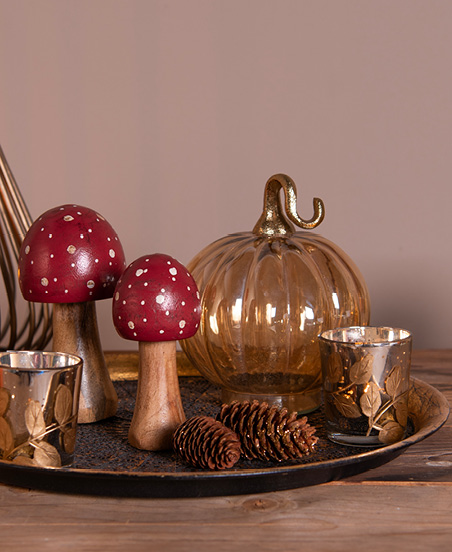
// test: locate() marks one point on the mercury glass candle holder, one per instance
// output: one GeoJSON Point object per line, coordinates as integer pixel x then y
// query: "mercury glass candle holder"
{"type": "Point", "coordinates": [366, 381]}
{"type": "Point", "coordinates": [39, 397]}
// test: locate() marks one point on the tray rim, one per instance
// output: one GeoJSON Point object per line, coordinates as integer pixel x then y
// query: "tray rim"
{"type": "Point", "coordinates": [200, 482]}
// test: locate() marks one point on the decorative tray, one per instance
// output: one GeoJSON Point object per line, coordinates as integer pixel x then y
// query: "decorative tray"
{"type": "Point", "coordinates": [106, 465]}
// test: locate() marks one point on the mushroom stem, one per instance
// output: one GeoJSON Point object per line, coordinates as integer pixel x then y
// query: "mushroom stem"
{"type": "Point", "coordinates": [158, 408]}
{"type": "Point", "coordinates": [75, 331]}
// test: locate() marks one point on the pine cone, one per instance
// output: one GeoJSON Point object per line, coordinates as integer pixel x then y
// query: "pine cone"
{"type": "Point", "coordinates": [205, 443]}
{"type": "Point", "coordinates": [268, 432]}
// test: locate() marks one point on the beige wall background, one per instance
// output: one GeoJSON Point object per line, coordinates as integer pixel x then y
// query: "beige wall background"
{"type": "Point", "coordinates": [168, 117]}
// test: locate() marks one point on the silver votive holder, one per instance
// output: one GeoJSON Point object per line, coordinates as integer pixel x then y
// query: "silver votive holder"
{"type": "Point", "coordinates": [366, 382]}
{"type": "Point", "coordinates": [39, 397]}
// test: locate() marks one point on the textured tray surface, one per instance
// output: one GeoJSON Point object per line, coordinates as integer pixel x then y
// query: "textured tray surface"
{"type": "Point", "coordinates": [104, 446]}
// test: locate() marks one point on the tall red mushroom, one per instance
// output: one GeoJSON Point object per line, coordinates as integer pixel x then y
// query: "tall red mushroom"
{"type": "Point", "coordinates": [72, 257]}
{"type": "Point", "coordinates": [156, 303]}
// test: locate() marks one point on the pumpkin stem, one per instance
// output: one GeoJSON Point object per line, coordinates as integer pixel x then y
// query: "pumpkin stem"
{"type": "Point", "coordinates": [272, 220]}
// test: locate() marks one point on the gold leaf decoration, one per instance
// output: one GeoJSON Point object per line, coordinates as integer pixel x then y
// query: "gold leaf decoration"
{"type": "Point", "coordinates": [67, 440]}
{"type": "Point", "coordinates": [347, 406]}
{"type": "Point", "coordinates": [394, 383]}
{"type": "Point", "coordinates": [401, 412]}
{"type": "Point", "coordinates": [361, 371]}
{"type": "Point", "coordinates": [370, 400]}
{"type": "Point", "coordinates": [6, 437]}
{"type": "Point", "coordinates": [34, 419]}
{"type": "Point", "coordinates": [4, 401]}
{"type": "Point", "coordinates": [391, 433]}
{"type": "Point", "coordinates": [46, 455]}
{"type": "Point", "coordinates": [63, 404]}
{"type": "Point", "coordinates": [24, 461]}
{"type": "Point", "coordinates": [334, 372]}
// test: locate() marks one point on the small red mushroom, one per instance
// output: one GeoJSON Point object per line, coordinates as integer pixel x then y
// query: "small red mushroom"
{"type": "Point", "coordinates": [156, 303]}
{"type": "Point", "coordinates": [72, 257]}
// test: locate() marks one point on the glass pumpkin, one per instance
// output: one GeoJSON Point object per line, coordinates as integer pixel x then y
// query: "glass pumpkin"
{"type": "Point", "coordinates": [266, 296]}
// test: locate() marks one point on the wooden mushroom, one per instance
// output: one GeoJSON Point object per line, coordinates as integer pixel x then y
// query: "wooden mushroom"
{"type": "Point", "coordinates": [72, 257]}
{"type": "Point", "coordinates": [156, 303]}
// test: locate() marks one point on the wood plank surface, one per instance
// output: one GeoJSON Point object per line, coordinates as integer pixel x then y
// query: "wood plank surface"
{"type": "Point", "coordinates": [405, 505]}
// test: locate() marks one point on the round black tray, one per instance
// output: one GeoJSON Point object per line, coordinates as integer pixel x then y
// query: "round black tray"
{"type": "Point", "coordinates": [106, 465]}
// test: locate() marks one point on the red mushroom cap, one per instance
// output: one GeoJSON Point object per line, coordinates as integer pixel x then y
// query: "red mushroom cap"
{"type": "Point", "coordinates": [70, 254]}
{"type": "Point", "coordinates": [156, 299]}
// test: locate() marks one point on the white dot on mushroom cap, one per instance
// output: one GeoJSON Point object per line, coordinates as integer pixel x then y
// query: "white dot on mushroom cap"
{"type": "Point", "coordinates": [139, 272]}
{"type": "Point", "coordinates": [52, 255]}
{"type": "Point", "coordinates": [42, 229]}
{"type": "Point", "coordinates": [96, 260]}
{"type": "Point", "coordinates": [71, 249]}
{"type": "Point", "coordinates": [66, 291]}
{"type": "Point", "coordinates": [68, 218]}
{"type": "Point", "coordinates": [167, 313]}
{"type": "Point", "coordinates": [183, 303]}
{"type": "Point", "coordinates": [162, 331]}
{"type": "Point", "coordinates": [108, 239]}
{"type": "Point", "coordinates": [168, 262]}
{"type": "Point", "coordinates": [129, 286]}
{"type": "Point", "coordinates": [117, 296]}
{"type": "Point", "coordinates": [44, 281]}
{"type": "Point", "coordinates": [31, 262]}
{"type": "Point", "coordinates": [159, 299]}
{"type": "Point", "coordinates": [145, 319]}
{"type": "Point", "coordinates": [143, 302]}
{"type": "Point", "coordinates": [82, 236]}
{"type": "Point", "coordinates": [181, 332]}
{"type": "Point", "coordinates": [131, 324]}
{"type": "Point", "coordinates": [90, 230]}
{"type": "Point", "coordinates": [50, 235]}
{"type": "Point", "coordinates": [112, 253]}
{"type": "Point", "coordinates": [182, 324]}
{"type": "Point", "coordinates": [124, 302]}
{"type": "Point", "coordinates": [90, 284]}
{"type": "Point", "coordinates": [146, 284]}
{"type": "Point", "coordinates": [173, 271]}
{"type": "Point", "coordinates": [189, 288]}
{"type": "Point", "coordinates": [27, 250]}
{"type": "Point", "coordinates": [55, 279]}
{"type": "Point", "coordinates": [163, 290]}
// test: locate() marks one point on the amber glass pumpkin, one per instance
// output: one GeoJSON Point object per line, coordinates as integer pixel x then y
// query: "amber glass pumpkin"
{"type": "Point", "coordinates": [266, 296]}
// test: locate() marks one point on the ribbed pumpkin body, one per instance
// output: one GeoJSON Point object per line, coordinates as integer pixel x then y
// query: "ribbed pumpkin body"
{"type": "Point", "coordinates": [265, 299]}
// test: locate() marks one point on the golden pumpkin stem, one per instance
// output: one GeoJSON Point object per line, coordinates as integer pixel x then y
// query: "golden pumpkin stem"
{"type": "Point", "coordinates": [272, 221]}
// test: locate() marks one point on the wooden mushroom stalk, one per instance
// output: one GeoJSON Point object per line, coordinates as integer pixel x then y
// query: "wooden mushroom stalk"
{"type": "Point", "coordinates": [156, 303]}
{"type": "Point", "coordinates": [72, 257]}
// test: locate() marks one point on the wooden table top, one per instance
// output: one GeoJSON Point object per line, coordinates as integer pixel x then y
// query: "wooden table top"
{"type": "Point", "coordinates": [405, 504]}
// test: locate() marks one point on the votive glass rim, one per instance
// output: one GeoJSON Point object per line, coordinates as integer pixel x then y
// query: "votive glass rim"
{"type": "Point", "coordinates": [384, 343]}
